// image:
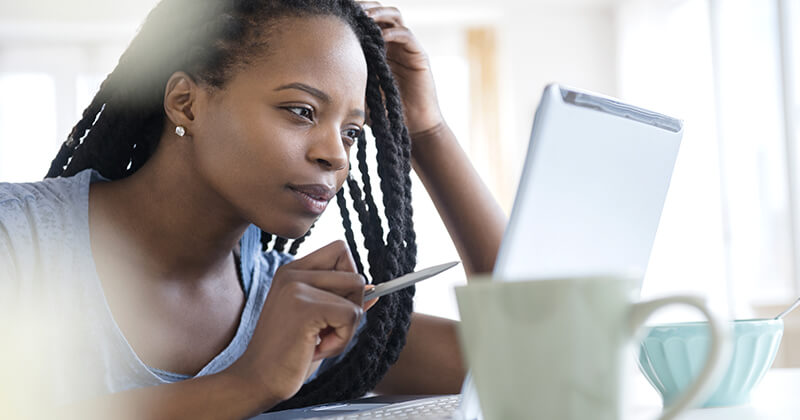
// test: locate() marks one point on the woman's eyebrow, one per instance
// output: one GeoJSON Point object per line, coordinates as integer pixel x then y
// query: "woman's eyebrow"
{"type": "Point", "coordinates": [358, 113]}
{"type": "Point", "coordinates": [319, 94]}
{"type": "Point", "coordinates": [306, 88]}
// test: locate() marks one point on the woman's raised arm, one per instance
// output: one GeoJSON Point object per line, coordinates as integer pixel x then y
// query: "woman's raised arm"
{"type": "Point", "coordinates": [431, 362]}
{"type": "Point", "coordinates": [473, 218]}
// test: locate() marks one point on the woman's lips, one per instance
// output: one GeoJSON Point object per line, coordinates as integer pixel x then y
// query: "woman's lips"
{"type": "Point", "coordinates": [313, 197]}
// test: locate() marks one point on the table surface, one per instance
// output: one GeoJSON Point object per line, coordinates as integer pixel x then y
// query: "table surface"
{"type": "Point", "coordinates": [776, 397]}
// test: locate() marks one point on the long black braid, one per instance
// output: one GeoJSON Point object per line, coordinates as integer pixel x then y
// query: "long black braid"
{"type": "Point", "coordinates": [209, 39]}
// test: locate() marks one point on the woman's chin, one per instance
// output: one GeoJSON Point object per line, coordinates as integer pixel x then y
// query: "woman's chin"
{"type": "Point", "coordinates": [289, 232]}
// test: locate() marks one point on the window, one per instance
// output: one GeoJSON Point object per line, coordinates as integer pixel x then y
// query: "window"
{"type": "Point", "coordinates": [27, 125]}
{"type": "Point", "coordinates": [44, 87]}
{"type": "Point", "coordinates": [728, 230]}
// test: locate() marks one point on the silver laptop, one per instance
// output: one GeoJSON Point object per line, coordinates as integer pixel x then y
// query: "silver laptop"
{"type": "Point", "coordinates": [589, 200]}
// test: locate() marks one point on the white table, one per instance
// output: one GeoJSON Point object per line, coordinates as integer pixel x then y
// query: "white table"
{"type": "Point", "coordinates": [776, 397]}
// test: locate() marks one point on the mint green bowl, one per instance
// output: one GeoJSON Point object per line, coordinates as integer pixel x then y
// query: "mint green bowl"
{"type": "Point", "coordinates": [672, 355]}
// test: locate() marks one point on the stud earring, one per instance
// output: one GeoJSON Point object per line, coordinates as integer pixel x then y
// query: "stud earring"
{"type": "Point", "coordinates": [180, 131]}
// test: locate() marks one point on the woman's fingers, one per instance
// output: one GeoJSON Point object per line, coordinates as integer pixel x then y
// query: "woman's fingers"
{"type": "Point", "coordinates": [403, 35]}
{"type": "Point", "coordinates": [389, 16]}
{"type": "Point", "coordinates": [332, 300]}
{"type": "Point", "coordinates": [336, 320]}
{"type": "Point", "coordinates": [370, 303]}
{"type": "Point", "coordinates": [334, 256]}
{"type": "Point", "coordinates": [341, 284]}
{"type": "Point", "coordinates": [342, 322]}
{"type": "Point", "coordinates": [403, 48]}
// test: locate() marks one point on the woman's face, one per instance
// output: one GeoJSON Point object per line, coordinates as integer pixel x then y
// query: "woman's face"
{"type": "Point", "coordinates": [275, 141]}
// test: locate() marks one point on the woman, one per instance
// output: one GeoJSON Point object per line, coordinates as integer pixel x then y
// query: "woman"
{"type": "Point", "coordinates": [222, 116]}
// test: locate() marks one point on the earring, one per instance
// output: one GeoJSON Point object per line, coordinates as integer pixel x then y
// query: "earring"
{"type": "Point", "coordinates": [180, 131]}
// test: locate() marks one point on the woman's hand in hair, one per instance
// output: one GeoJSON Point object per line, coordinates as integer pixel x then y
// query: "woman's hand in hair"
{"type": "Point", "coordinates": [311, 312]}
{"type": "Point", "coordinates": [410, 66]}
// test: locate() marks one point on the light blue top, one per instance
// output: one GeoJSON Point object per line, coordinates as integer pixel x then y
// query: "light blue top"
{"type": "Point", "coordinates": [49, 285]}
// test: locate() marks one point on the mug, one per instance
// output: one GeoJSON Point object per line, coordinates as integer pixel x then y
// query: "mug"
{"type": "Point", "coordinates": [554, 348]}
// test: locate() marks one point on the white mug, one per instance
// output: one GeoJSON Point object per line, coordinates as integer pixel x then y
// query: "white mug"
{"type": "Point", "coordinates": [555, 348]}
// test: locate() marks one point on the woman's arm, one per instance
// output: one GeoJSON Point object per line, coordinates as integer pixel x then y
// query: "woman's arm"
{"type": "Point", "coordinates": [431, 362]}
{"type": "Point", "coordinates": [218, 396]}
{"type": "Point", "coordinates": [473, 218]}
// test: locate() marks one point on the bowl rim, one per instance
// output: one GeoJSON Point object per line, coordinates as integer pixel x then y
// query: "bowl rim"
{"type": "Point", "coordinates": [761, 321]}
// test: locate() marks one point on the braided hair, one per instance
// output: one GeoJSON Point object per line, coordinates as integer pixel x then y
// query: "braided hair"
{"type": "Point", "coordinates": [210, 39]}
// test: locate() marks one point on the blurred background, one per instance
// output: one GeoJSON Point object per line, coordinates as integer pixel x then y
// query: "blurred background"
{"type": "Point", "coordinates": [729, 68]}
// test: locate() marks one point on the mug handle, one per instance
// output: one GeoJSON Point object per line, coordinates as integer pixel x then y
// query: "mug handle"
{"type": "Point", "coordinates": [718, 354]}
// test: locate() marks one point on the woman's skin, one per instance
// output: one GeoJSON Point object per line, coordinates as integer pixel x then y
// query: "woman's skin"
{"type": "Point", "coordinates": [282, 123]}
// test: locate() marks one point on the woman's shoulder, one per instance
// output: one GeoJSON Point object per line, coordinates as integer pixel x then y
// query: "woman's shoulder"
{"type": "Point", "coordinates": [37, 213]}
{"type": "Point", "coordinates": [51, 191]}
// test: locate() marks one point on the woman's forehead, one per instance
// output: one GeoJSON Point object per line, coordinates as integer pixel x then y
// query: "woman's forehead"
{"type": "Point", "coordinates": [321, 51]}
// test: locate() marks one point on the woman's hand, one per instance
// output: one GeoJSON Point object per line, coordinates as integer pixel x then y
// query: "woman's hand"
{"type": "Point", "coordinates": [411, 69]}
{"type": "Point", "coordinates": [311, 312]}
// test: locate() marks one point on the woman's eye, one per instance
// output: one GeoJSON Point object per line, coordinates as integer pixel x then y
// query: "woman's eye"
{"type": "Point", "coordinates": [351, 134]}
{"type": "Point", "coordinates": [302, 111]}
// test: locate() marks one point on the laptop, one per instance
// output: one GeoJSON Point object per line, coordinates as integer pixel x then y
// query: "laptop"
{"type": "Point", "coordinates": [589, 201]}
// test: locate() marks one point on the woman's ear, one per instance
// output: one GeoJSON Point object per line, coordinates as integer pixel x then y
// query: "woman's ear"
{"type": "Point", "coordinates": [180, 97]}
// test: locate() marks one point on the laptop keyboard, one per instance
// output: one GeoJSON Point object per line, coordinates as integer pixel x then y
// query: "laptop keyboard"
{"type": "Point", "coordinates": [434, 408]}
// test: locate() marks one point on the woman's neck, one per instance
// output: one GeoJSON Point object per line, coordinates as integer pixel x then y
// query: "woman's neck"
{"type": "Point", "coordinates": [165, 219]}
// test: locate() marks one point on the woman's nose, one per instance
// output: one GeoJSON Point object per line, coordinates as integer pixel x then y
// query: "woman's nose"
{"type": "Point", "coordinates": [328, 150]}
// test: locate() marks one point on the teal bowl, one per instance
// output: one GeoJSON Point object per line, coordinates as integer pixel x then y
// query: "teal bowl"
{"type": "Point", "coordinates": [672, 355]}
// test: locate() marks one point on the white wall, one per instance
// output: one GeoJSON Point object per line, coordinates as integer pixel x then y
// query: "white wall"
{"type": "Point", "coordinates": [60, 11]}
{"type": "Point", "coordinates": [571, 46]}
{"type": "Point", "coordinates": [571, 42]}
